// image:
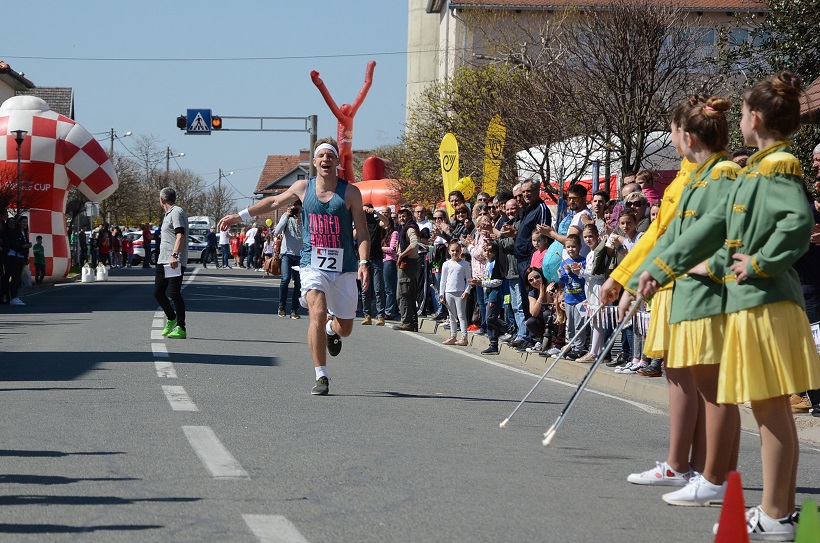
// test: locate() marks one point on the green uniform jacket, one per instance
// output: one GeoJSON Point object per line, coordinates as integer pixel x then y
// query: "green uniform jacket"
{"type": "Point", "coordinates": [765, 216]}
{"type": "Point", "coordinates": [695, 297]}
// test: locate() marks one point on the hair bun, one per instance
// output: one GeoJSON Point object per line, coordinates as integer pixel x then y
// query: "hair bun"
{"type": "Point", "coordinates": [715, 106]}
{"type": "Point", "coordinates": [787, 85]}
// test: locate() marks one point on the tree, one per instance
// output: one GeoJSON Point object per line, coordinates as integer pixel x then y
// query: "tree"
{"type": "Point", "coordinates": [627, 67]}
{"type": "Point", "coordinates": [787, 38]}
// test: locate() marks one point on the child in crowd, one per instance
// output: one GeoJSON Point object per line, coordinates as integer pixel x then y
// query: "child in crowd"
{"type": "Point", "coordinates": [756, 233]}
{"type": "Point", "coordinates": [619, 247]}
{"type": "Point", "coordinates": [540, 242]}
{"type": "Point", "coordinates": [455, 288]}
{"type": "Point", "coordinates": [653, 212]}
{"type": "Point", "coordinates": [570, 275]}
{"type": "Point", "coordinates": [594, 276]}
{"type": "Point", "coordinates": [492, 277]}
{"type": "Point", "coordinates": [39, 260]}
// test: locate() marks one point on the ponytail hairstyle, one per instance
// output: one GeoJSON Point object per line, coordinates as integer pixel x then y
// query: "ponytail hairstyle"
{"type": "Point", "coordinates": [707, 121]}
{"type": "Point", "coordinates": [777, 98]}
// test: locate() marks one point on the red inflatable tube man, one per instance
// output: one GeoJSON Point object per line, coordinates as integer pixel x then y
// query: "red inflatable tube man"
{"type": "Point", "coordinates": [57, 154]}
{"type": "Point", "coordinates": [345, 116]}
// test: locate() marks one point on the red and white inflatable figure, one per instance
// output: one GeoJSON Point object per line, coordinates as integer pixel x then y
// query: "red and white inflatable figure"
{"type": "Point", "coordinates": [57, 154]}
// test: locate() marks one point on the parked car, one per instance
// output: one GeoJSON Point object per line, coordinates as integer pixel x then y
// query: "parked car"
{"type": "Point", "coordinates": [139, 250]}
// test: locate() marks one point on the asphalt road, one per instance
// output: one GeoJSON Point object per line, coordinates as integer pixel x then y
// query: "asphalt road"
{"type": "Point", "coordinates": [112, 433]}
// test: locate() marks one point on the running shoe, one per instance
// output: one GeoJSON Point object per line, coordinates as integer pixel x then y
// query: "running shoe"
{"type": "Point", "coordinates": [282, 312]}
{"type": "Point", "coordinates": [334, 344]}
{"type": "Point", "coordinates": [16, 301]}
{"type": "Point", "coordinates": [661, 475]}
{"type": "Point", "coordinates": [178, 333]}
{"type": "Point", "coordinates": [698, 492]}
{"type": "Point", "coordinates": [462, 342]}
{"type": "Point", "coordinates": [535, 348]}
{"type": "Point", "coordinates": [762, 527]}
{"type": "Point", "coordinates": [633, 367]}
{"type": "Point", "coordinates": [587, 358]}
{"type": "Point", "coordinates": [322, 387]}
{"type": "Point", "coordinates": [450, 341]}
{"type": "Point", "coordinates": [294, 315]}
{"type": "Point", "coordinates": [169, 325]}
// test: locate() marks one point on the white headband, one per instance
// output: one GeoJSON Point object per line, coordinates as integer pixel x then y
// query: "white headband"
{"type": "Point", "coordinates": [325, 146]}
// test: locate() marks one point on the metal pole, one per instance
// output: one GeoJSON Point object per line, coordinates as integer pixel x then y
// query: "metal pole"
{"type": "Point", "coordinates": [167, 161]}
{"type": "Point", "coordinates": [19, 178]}
{"type": "Point", "coordinates": [111, 150]}
{"type": "Point", "coordinates": [314, 122]}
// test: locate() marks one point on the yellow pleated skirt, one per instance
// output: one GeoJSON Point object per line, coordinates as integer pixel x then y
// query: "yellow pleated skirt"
{"type": "Point", "coordinates": [768, 352]}
{"type": "Point", "coordinates": [657, 336]}
{"type": "Point", "coordinates": [697, 342]}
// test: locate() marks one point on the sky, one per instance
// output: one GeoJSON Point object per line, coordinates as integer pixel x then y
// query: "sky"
{"type": "Point", "coordinates": [137, 65]}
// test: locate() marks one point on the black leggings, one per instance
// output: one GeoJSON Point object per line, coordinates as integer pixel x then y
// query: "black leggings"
{"type": "Point", "coordinates": [174, 287]}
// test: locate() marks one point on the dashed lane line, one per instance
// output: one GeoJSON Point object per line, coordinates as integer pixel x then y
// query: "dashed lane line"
{"type": "Point", "coordinates": [159, 350]}
{"type": "Point", "coordinates": [165, 369]}
{"type": "Point", "coordinates": [213, 454]}
{"type": "Point", "coordinates": [273, 529]}
{"type": "Point", "coordinates": [178, 398]}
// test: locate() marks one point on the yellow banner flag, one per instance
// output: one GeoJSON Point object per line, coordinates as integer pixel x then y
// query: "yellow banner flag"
{"type": "Point", "coordinates": [448, 155]}
{"type": "Point", "coordinates": [496, 134]}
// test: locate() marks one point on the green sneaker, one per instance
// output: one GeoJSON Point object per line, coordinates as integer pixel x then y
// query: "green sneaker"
{"type": "Point", "coordinates": [169, 325]}
{"type": "Point", "coordinates": [177, 333]}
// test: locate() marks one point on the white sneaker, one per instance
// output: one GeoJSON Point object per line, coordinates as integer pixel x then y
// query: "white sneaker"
{"type": "Point", "coordinates": [554, 352]}
{"type": "Point", "coordinates": [698, 492]}
{"type": "Point", "coordinates": [535, 348]}
{"type": "Point", "coordinates": [633, 367]}
{"type": "Point", "coordinates": [660, 475]}
{"type": "Point", "coordinates": [762, 527]}
{"type": "Point", "coordinates": [16, 301]}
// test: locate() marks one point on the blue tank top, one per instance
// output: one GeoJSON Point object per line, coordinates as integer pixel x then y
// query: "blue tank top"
{"type": "Point", "coordinates": [327, 225]}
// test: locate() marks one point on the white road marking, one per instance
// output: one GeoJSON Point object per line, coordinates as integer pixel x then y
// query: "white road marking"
{"type": "Point", "coordinates": [641, 406]}
{"type": "Point", "coordinates": [178, 398]}
{"type": "Point", "coordinates": [159, 350]}
{"type": "Point", "coordinates": [160, 315]}
{"type": "Point", "coordinates": [273, 529]}
{"type": "Point", "coordinates": [156, 335]}
{"type": "Point", "coordinates": [158, 323]}
{"type": "Point", "coordinates": [165, 369]}
{"type": "Point", "coordinates": [213, 454]}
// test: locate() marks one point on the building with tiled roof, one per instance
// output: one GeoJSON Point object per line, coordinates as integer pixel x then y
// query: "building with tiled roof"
{"type": "Point", "coordinates": [282, 171]}
{"type": "Point", "coordinates": [439, 39]}
{"type": "Point", "coordinates": [12, 82]}
{"type": "Point", "coordinates": [810, 104]}
{"type": "Point", "coordinates": [60, 99]}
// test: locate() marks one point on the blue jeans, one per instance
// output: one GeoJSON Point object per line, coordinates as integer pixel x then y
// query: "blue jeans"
{"type": "Point", "coordinates": [226, 251]}
{"type": "Point", "coordinates": [518, 308]}
{"type": "Point", "coordinates": [482, 307]}
{"type": "Point", "coordinates": [251, 256]}
{"type": "Point", "coordinates": [391, 280]}
{"type": "Point", "coordinates": [288, 261]}
{"type": "Point", "coordinates": [376, 271]}
{"type": "Point", "coordinates": [437, 305]}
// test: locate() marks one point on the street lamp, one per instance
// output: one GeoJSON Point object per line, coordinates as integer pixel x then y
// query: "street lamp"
{"type": "Point", "coordinates": [168, 157]}
{"type": "Point", "coordinates": [19, 137]}
{"type": "Point", "coordinates": [113, 137]}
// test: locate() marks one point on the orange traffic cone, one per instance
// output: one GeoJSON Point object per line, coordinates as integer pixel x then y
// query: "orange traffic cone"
{"type": "Point", "coordinates": [808, 529]}
{"type": "Point", "coordinates": [732, 526]}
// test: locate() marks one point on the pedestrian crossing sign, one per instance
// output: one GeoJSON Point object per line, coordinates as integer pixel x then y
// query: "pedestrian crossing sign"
{"type": "Point", "coordinates": [199, 121]}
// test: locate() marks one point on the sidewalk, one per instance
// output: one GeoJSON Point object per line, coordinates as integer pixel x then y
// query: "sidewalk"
{"type": "Point", "coordinates": [651, 390]}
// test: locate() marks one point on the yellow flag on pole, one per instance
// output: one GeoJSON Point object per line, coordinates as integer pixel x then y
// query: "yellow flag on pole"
{"type": "Point", "coordinates": [496, 134]}
{"type": "Point", "coordinates": [448, 155]}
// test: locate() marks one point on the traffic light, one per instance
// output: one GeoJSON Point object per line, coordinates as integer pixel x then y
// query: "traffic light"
{"type": "Point", "coordinates": [216, 122]}
{"type": "Point", "coordinates": [182, 122]}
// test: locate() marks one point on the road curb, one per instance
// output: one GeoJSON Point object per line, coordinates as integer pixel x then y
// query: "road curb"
{"type": "Point", "coordinates": [651, 390]}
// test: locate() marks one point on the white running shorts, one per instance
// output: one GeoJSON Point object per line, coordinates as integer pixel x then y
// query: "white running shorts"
{"type": "Point", "coordinates": [341, 290]}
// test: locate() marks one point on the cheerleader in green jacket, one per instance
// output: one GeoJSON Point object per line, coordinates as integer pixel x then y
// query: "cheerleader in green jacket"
{"type": "Point", "coordinates": [696, 319]}
{"type": "Point", "coordinates": [751, 241]}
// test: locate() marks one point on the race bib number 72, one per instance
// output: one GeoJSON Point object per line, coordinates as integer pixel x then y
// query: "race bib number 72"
{"type": "Point", "coordinates": [326, 259]}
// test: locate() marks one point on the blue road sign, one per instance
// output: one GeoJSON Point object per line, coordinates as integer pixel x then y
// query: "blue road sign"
{"type": "Point", "coordinates": [199, 121]}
